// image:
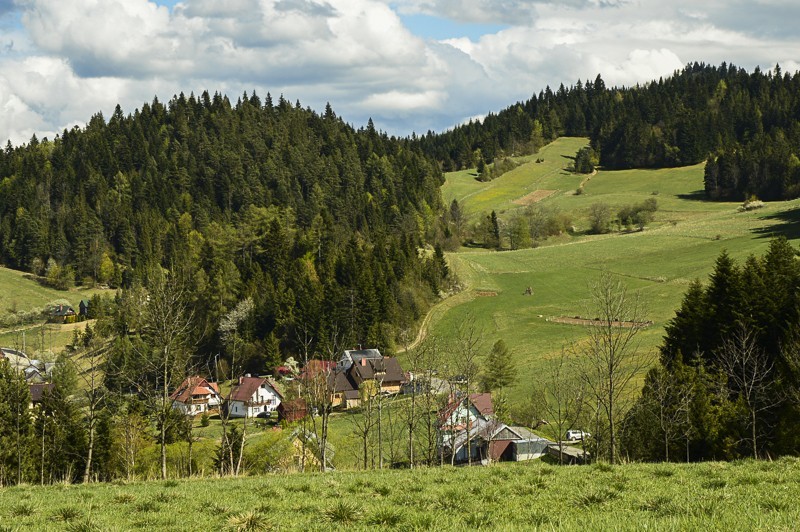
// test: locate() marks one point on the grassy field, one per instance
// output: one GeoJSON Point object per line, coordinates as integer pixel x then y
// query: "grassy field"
{"type": "Point", "coordinates": [499, 194]}
{"type": "Point", "coordinates": [525, 496]}
{"type": "Point", "coordinates": [680, 245]}
{"type": "Point", "coordinates": [19, 292]}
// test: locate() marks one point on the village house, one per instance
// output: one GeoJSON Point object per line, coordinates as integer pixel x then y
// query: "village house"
{"type": "Point", "coordinates": [62, 314]}
{"type": "Point", "coordinates": [469, 432]}
{"type": "Point", "coordinates": [357, 369]}
{"type": "Point", "coordinates": [293, 410]}
{"type": "Point", "coordinates": [196, 396]}
{"type": "Point", "coordinates": [253, 397]}
{"type": "Point", "coordinates": [38, 391]}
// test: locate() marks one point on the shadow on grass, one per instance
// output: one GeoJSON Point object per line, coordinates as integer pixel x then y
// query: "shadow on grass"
{"type": "Point", "coordinates": [786, 223]}
{"type": "Point", "coordinates": [697, 195]}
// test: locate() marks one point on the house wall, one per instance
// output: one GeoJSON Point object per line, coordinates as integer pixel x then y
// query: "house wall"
{"type": "Point", "coordinates": [263, 400]}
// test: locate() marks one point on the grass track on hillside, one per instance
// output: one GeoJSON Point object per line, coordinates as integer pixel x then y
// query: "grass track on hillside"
{"type": "Point", "coordinates": [527, 496]}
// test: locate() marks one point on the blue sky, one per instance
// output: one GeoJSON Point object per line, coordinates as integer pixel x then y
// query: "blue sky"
{"type": "Point", "coordinates": [410, 65]}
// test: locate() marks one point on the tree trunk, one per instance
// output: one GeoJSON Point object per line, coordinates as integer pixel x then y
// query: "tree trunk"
{"type": "Point", "coordinates": [90, 451]}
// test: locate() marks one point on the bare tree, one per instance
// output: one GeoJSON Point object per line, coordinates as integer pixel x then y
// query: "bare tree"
{"type": "Point", "coordinates": [561, 400]}
{"type": "Point", "coordinates": [167, 331]}
{"type": "Point", "coordinates": [749, 372]}
{"type": "Point", "coordinates": [321, 388]}
{"type": "Point", "coordinates": [364, 421]}
{"type": "Point", "coordinates": [94, 392]}
{"type": "Point", "coordinates": [609, 358]}
{"type": "Point", "coordinates": [670, 405]}
{"type": "Point", "coordinates": [466, 364]}
{"type": "Point", "coordinates": [429, 359]}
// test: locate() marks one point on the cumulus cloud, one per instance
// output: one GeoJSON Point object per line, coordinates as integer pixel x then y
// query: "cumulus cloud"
{"type": "Point", "coordinates": [71, 58]}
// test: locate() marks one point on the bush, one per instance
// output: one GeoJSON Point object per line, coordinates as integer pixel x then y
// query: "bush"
{"type": "Point", "coordinates": [205, 420]}
{"type": "Point", "coordinates": [599, 218]}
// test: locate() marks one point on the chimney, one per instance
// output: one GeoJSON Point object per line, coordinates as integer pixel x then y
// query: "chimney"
{"type": "Point", "coordinates": [363, 362]}
{"type": "Point", "coordinates": [240, 380]}
{"type": "Point", "coordinates": [247, 375]}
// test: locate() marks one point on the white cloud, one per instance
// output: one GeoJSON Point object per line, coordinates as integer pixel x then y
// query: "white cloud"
{"type": "Point", "coordinates": [73, 58]}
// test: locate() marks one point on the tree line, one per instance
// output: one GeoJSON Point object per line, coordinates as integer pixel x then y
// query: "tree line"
{"type": "Point", "coordinates": [744, 124]}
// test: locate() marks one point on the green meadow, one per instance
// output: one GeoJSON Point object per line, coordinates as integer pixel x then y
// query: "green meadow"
{"type": "Point", "coordinates": [499, 194]}
{"type": "Point", "coordinates": [680, 245]}
{"type": "Point", "coordinates": [19, 292]}
{"type": "Point", "coordinates": [523, 496]}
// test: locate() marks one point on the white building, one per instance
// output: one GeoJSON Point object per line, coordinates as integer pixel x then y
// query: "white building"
{"type": "Point", "coordinates": [253, 396]}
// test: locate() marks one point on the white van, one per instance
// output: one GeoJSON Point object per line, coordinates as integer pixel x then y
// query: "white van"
{"type": "Point", "coordinates": [575, 435]}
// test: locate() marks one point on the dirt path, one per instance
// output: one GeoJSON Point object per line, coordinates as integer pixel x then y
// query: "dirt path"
{"type": "Point", "coordinates": [438, 309]}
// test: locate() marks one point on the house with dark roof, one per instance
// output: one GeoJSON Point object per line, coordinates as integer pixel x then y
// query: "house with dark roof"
{"type": "Point", "coordinates": [195, 395]}
{"type": "Point", "coordinates": [38, 390]}
{"type": "Point", "coordinates": [355, 356]}
{"type": "Point", "coordinates": [253, 396]}
{"type": "Point", "coordinates": [61, 313]}
{"type": "Point", "coordinates": [385, 372]}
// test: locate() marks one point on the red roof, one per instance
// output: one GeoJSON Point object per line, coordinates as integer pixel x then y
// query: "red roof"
{"type": "Point", "coordinates": [193, 386]}
{"type": "Point", "coordinates": [481, 401]}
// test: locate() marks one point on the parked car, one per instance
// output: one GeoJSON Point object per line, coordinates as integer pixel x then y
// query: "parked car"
{"type": "Point", "coordinates": [577, 435]}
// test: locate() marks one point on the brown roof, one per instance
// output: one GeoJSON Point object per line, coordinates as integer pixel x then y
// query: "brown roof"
{"type": "Point", "coordinates": [342, 382]}
{"type": "Point", "coordinates": [483, 402]}
{"type": "Point", "coordinates": [247, 387]}
{"type": "Point", "coordinates": [193, 386]}
{"type": "Point", "coordinates": [37, 391]}
{"type": "Point", "coordinates": [387, 369]}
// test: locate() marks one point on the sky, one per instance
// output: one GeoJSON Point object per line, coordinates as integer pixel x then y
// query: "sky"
{"type": "Point", "coordinates": [410, 65]}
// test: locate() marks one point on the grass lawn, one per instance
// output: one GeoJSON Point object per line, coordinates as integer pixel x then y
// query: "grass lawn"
{"type": "Point", "coordinates": [524, 496]}
{"type": "Point", "coordinates": [681, 244]}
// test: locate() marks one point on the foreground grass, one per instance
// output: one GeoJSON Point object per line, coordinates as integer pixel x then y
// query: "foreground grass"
{"type": "Point", "coordinates": [529, 496]}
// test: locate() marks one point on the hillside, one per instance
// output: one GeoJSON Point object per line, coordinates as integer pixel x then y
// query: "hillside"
{"type": "Point", "coordinates": [753, 495]}
{"type": "Point", "coordinates": [18, 292]}
{"type": "Point", "coordinates": [679, 245]}
{"type": "Point", "coordinates": [742, 123]}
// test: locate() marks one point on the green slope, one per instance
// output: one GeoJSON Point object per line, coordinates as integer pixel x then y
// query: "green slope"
{"type": "Point", "coordinates": [499, 194]}
{"type": "Point", "coordinates": [681, 244]}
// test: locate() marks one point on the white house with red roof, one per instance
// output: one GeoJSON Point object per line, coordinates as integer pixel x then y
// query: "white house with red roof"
{"type": "Point", "coordinates": [253, 396]}
{"type": "Point", "coordinates": [196, 396]}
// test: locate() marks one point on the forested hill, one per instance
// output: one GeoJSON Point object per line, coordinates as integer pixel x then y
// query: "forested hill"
{"type": "Point", "coordinates": [317, 222]}
{"type": "Point", "coordinates": [747, 125]}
